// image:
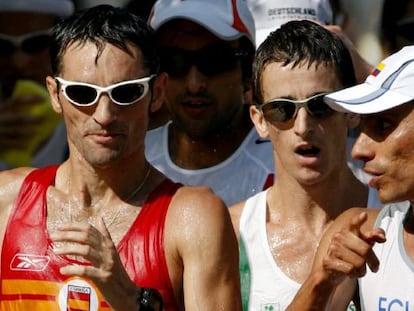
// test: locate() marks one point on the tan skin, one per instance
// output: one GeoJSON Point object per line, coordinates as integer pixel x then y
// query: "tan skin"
{"type": "Point", "coordinates": [106, 164]}
{"type": "Point", "coordinates": [299, 204]}
{"type": "Point", "coordinates": [385, 145]}
{"type": "Point", "coordinates": [216, 128]}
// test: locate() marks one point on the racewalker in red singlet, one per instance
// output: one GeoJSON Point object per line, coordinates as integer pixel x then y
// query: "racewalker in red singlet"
{"type": "Point", "coordinates": [103, 228]}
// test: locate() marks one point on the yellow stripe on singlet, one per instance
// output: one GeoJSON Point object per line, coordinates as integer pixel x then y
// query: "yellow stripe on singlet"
{"type": "Point", "coordinates": [10, 287]}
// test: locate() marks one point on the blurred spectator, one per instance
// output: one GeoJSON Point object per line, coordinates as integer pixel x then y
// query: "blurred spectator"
{"type": "Point", "coordinates": [83, 4]}
{"type": "Point", "coordinates": [207, 48]}
{"type": "Point", "coordinates": [397, 25]}
{"type": "Point", "coordinates": [140, 8]}
{"type": "Point", "coordinates": [362, 25]}
{"type": "Point", "coordinates": [270, 14]}
{"type": "Point", "coordinates": [31, 133]}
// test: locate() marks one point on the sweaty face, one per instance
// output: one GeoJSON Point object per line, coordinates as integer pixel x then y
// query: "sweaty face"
{"type": "Point", "coordinates": [205, 92]}
{"type": "Point", "coordinates": [21, 64]}
{"type": "Point", "coordinates": [308, 148]}
{"type": "Point", "coordinates": [386, 146]}
{"type": "Point", "coordinates": [103, 132]}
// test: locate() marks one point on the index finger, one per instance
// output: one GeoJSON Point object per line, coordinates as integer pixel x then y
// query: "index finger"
{"type": "Point", "coordinates": [357, 222]}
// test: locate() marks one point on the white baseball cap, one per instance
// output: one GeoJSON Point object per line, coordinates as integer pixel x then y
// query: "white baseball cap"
{"type": "Point", "coordinates": [389, 85]}
{"type": "Point", "coordinates": [271, 14]}
{"type": "Point", "coordinates": [227, 19]}
{"type": "Point", "coordinates": [54, 7]}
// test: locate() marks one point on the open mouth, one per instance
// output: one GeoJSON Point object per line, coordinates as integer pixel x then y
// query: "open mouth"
{"type": "Point", "coordinates": [307, 151]}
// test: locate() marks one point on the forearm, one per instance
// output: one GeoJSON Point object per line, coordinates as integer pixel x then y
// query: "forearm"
{"type": "Point", "coordinates": [314, 294]}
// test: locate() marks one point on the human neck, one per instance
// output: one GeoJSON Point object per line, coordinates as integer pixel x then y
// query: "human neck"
{"type": "Point", "coordinates": [291, 198]}
{"type": "Point", "coordinates": [203, 152]}
{"type": "Point", "coordinates": [94, 189]}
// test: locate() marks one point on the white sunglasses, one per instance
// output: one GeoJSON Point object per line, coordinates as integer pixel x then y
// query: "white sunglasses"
{"type": "Point", "coordinates": [123, 93]}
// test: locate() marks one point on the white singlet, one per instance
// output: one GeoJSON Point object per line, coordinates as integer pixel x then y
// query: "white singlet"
{"type": "Point", "coordinates": [247, 171]}
{"type": "Point", "coordinates": [391, 288]}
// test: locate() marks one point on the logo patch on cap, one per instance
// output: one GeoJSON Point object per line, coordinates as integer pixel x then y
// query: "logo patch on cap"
{"type": "Point", "coordinates": [377, 70]}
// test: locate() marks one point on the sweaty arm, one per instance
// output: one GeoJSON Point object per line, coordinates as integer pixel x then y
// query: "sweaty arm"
{"type": "Point", "coordinates": [10, 183]}
{"type": "Point", "coordinates": [207, 248]}
{"type": "Point", "coordinates": [343, 254]}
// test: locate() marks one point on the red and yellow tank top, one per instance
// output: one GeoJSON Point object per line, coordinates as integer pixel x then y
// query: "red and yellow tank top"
{"type": "Point", "coordinates": [30, 278]}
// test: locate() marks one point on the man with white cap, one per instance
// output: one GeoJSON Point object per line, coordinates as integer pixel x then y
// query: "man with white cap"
{"type": "Point", "coordinates": [207, 48]}
{"type": "Point", "coordinates": [385, 144]}
{"type": "Point", "coordinates": [27, 121]}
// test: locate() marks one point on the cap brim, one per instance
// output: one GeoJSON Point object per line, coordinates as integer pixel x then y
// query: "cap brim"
{"type": "Point", "coordinates": [365, 99]}
{"type": "Point", "coordinates": [194, 12]}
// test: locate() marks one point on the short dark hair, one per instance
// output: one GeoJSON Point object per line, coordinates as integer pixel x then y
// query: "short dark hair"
{"type": "Point", "coordinates": [104, 24]}
{"type": "Point", "coordinates": [302, 41]}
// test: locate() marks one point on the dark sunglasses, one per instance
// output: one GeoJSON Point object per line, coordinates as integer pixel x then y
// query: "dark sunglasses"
{"type": "Point", "coordinates": [282, 110]}
{"type": "Point", "coordinates": [211, 60]}
{"type": "Point", "coordinates": [30, 43]}
{"type": "Point", "coordinates": [123, 93]}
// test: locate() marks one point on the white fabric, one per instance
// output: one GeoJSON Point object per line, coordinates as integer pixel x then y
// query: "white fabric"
{"type": "Point", "coordinates": [227, 19]}
{"type": "Point", "coordinates": [235, 179]}
{"type": "Point", "coordinates": [392, 287]}
{"type": "Point", "coordinates": [271, 14]}
{"type": "Point", "coordinates": [389, 85]}
{"type": "Point", "coordinates": [270, 287]}
{"type": "Point", "coordinates": [54, 7]}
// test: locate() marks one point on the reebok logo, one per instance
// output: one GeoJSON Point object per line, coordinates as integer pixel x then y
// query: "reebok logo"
{"type": "Point", "coordinates": [28, 262]}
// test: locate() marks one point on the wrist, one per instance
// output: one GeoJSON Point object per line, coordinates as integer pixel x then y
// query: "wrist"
{"type": "Point", "coordinates": [149, 299]}
{"type": "Point", "coordinates": [324, 282]}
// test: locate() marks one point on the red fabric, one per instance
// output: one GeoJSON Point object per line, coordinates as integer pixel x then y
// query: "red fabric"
{"type": "Point", "coordinates": [269, 181]}
{"type": "Point", "coordinates": [30, 269]}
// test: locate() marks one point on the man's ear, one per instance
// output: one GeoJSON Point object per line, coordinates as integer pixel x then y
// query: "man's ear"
{"type": "Point", "coordinates": [159, 89]}
{"type": "Point", "coordinates": [259, 122]}
{"type": "Point", "coordinates": [352, 120]}
{"type": "Point", "coordinates": [53, 90]}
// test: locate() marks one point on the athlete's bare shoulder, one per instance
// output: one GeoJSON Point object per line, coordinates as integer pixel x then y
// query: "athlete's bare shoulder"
{"type": "Point", "coordinates": [198, 201]}
{"type": "Point", "coordinates": [197, 211]}
{"type": "Point", "coordinates": [10, 183]}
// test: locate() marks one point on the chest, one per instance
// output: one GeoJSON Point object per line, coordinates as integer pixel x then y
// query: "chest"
{"type": "Point", "coordinates": [293, 249]}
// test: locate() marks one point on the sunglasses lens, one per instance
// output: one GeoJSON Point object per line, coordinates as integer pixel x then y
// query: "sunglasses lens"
{"type": "Point", "coordinates": [279, 111]}
{"type": "Point", "coordinates": [318, 108]}
{"type": "Point", "coordinates": [175, 62]}
{"type": "Point", "coordinates": [81, 94]}
{"type": "Point", "coordinates": [6, 47]}
{"type": "Point", "coordinates": [128, 93]}
{"type": "Point", "coordinates": [36, 44]}
{"type": "Point", "coordinates": [217, 59]}
{"type": "Point", "coordinates": [211, 60]}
